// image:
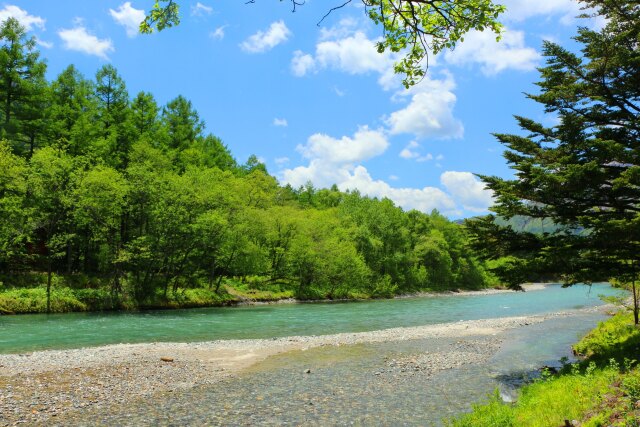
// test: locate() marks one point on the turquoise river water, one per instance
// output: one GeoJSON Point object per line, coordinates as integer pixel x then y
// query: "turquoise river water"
{"type": "Point", "coordinates": [41, 332]}
{"type": "Point", "coordinates": [347, 385]}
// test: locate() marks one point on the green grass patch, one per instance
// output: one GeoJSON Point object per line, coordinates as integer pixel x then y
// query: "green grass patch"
{"type": "Point", "coordinates": [617, 337]}
{"type": "Point", "coordinates": [602, 390]}
{"type": "Point", "coordinates": [545, 403]}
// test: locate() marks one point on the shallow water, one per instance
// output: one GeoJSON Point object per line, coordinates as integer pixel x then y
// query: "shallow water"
{"type": "Point", "coordinates": [354, 385]}
{"type": "Point", "coordinates": [74, 330]}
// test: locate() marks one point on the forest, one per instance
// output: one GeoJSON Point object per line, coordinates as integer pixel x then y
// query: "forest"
{"type": "Point", "coordinates": [111, 201]}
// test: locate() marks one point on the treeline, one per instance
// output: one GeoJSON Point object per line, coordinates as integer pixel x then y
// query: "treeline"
{"type": "Point", "coordinates": [137, 200]}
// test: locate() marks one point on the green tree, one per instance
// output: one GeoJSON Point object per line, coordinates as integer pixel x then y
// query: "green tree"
{"type": "Point", "coordinates": [144, 114]}
{"type": "Point", "coordinates": [14, 216]}
{"type": "Point", "coordinates": [583, 173]}
{"type": "Point", "coordinates": [412, 27]}
{"type": "Point", "coordinates": [22, 86]}
{"type": "Point", "coordinates": [100, 201]}
{"type": "Point", "coordinates": [113, 113]}
{"type": "Point", "coordinates": [182, 123]}
{"type": "Point", "coordinates": [72, 111]}
{"type": "Point", "coordinates": [49, 186]}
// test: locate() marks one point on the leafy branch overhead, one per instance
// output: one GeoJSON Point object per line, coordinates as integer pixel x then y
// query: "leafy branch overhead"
{"type": "Point", "coordinates": [413, 28]}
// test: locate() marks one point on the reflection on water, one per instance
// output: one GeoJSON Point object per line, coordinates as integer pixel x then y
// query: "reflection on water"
{"type": "Point", "coordinates": [356, 385]}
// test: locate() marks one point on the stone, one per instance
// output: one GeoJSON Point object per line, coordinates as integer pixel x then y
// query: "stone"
{"type": "Point", "coordinates": [166, 359]}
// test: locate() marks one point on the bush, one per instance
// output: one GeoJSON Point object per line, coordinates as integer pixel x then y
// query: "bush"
{"type": "Point", "coordinates": [20, 301]}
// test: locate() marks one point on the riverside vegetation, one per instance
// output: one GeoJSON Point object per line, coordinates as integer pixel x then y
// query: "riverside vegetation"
{"type": "Point", "coordinates": [108, 202]}
{"type": "Point", "coordinates": [601, 390]}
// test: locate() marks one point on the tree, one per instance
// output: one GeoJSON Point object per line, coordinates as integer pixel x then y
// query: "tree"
{"type": "Point", "coordinates": [49, 188]}
{"type": "Point", "coordinates": [144, 113]}
{"type": "Point", "coordinates": [72, 106]}
{"type": "Point", "coordinates": [22, 85]}
{"type": "Point", "coordinates": [412, 27]}
{"type": "Point", "coordinates": [583, 173]}
{"type": "Point", "coordinates": [100, 200]}
{"type": "Point", "coordinates": [182, 123]}
{"type": "Point", "coordinates": [14, 218]}
{"type": "Point", "coordinates": [113, 112]}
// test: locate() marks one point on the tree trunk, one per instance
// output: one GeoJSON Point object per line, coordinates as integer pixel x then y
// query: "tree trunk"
{"type": "Point", "coordinates": [635, 301]}
{"type": "Point", "coordinates": [635, 292]}
{"type": "Point", "coordinates": [212, 273]}
{"type": "Point", "coordinates": [49, 267]}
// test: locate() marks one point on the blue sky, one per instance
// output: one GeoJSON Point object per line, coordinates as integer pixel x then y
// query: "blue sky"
{"type": "Point", "coordinates": [318, 103]}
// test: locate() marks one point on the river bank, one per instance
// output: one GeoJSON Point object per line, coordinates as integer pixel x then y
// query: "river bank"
{"type": "Point", "coordinates": [50, 386]}
{"type": "Point", "coordinates": [68, 300]}
{"type": "Point", "coordinates": [527, 287]}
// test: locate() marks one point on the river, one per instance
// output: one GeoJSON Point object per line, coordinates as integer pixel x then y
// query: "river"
{"type": "Point", "coordinates": [74, 330]}
{"type": "Point", "coordinates": [416, 381]}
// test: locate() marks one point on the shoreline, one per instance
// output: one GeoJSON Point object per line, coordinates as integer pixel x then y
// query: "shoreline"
{"type": "Point", "coordinates": [527, 287]}
{"type": "Point", "coordinates": [35, 387]}
{"type": "Point", "coordinates": [249, 302]}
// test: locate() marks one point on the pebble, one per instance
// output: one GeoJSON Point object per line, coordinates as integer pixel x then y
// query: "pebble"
{"type": "Point", "coordinates": [34, 387]}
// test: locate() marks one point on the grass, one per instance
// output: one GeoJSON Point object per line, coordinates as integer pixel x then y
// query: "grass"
{"type": "Point", "coordinates": [34, 300]}
{"type": "Point", "coordinates": [603, 390]}
{"type": "Point", "coordinates": [262, 292]}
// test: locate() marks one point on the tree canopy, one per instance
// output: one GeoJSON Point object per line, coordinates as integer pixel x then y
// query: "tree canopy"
{"type": "Point", "coordinates": [415, 28]}
{"type": "Point", "coordinates": [583, 173]}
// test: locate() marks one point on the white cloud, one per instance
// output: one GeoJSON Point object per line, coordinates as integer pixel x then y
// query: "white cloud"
{"type": "Point", "coordinates": [412, 151]}
{"type": "Point", "coordinates": [331, 160]}
{"type": "Point", "coordinates": [393, 177]}
{"type": "Point", "coordinates": [302, 63]}
{"type": "Point", "coordinates": [346, 48]}
{"type": "Point", "coordinates": [519, 10]}
{"type": "Point", "coordinates": [45, 44]}
{"type": "Point", "coordinates": [358, 178]}
{"type": "Point", "coordinates": [201, 9]}
{"type": "Point", "coordinates": [345, 28]}
{"type": "Point", "coordinates": [263, 41]}
{"type": "Point", "coordinates": [429, 112]}
{"type": "Point", "coordinates": [280, 122]}
{"type": "Point", "coordinates": [339, 92]}
{"type": "Point", "coordinates": [355, 54]}
{"type": "Point", "coordinates": [218, 33]}
{"type": "Point", "coordinates": [408, 152]}
{"type": "Point", "coordinates": [467, 190]}
{"type": "Point", "coordinates": [282, 161]}
{"type": "Point", "coordinates": [481, 47]}
{"type": "Point", "coordinates": [423, 199]}
{"type": "Point", "coordinates": [364, 145]}
{"type": "Point", "coordinates": [129, 17]}
{"type": "Point", "coordinates": [321, 173]}
{"type": "Point", "coordinates": [80, 40]}
{"type": "Point", "coordinates": [26, 20]}
{"type": "Point", "coordinates": [336, 161]}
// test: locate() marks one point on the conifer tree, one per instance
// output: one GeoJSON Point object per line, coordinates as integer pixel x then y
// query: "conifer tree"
{"type": "Point", "coordinates": [584, 172]}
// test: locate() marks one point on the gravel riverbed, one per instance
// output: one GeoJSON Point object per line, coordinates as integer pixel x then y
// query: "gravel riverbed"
{"type": "Point", "coordinates": [48, 387]}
